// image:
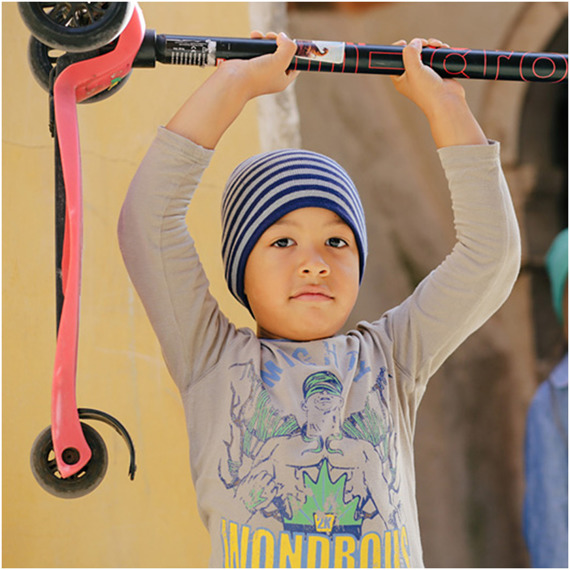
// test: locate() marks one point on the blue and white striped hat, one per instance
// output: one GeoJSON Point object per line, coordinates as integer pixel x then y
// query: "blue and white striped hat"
{"type": "Point", "coordinates": [266, 187]}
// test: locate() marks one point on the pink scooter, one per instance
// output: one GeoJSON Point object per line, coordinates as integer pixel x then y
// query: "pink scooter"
{"type": "Point", "coordinates": [69, 458]}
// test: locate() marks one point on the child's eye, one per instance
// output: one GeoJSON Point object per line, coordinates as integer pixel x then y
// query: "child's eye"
{"type": "Point", "coordinates": [283, 242]}
{"type": "Point", "coordinates": [336, 242]}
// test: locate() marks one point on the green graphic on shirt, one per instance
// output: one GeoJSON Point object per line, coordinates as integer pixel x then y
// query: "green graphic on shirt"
{"type": "Point", "coordinates": [266, 422]}
{"type": "Point", "coordinates": [366, 425]}
{"type": "Point", "coordinates": [310, 467]}
{"type": "Point", "coordinates": [325, 510]}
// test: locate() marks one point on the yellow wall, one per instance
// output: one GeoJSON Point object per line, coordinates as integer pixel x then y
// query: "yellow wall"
{"type": "Point", "coordinates": [153, 520]}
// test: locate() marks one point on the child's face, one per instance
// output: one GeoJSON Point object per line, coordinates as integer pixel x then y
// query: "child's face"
{"type": "Point", "coordinates": [302, 276]}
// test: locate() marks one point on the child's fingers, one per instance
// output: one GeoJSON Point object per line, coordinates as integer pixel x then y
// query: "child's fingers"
{"type": "Point", "coordinates": [412, 54]}
{"type": "Point", "coordinates": [272, 69]}
{"type": "Point", "coordinates": [412, 58]}
{"type": "Point", "coordinates": [284, 40]}
{"type": "Point", "coordinates": [286, 49]}
{"type": "Point", "coordinates": [397, 78]}
{"type": "Point", "coordinates": [435, 43]}
{"type": "Point", "coordinates": [288, 54]}
{"type": "Point", "coordinates": [258, 35]}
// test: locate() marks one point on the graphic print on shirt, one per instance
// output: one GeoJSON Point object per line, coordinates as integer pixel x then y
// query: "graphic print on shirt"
{"type": "Point", "coordinates": [311, 472]}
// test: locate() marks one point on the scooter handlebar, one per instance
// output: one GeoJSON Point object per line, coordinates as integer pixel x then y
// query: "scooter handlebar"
{"type": "Point", "coordinates": [340, 57]}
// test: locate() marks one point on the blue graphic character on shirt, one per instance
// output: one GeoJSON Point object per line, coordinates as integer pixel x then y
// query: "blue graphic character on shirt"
{"type": "Point", "coordinates": [313, 476]}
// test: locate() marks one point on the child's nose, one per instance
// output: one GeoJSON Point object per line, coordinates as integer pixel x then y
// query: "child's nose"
{"type": "Point", "coordinates": [314, 264]}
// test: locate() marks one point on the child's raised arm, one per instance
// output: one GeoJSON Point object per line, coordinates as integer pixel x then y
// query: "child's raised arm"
{"type": "Point", "coordinates": [475, 279]}
{"type": "Point", "coordinates": [216, 104]}
{"type": "Point", "coordinates": [442, 100]}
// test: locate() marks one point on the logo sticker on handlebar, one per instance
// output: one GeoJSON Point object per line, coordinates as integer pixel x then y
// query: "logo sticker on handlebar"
{"type": "Point", "coordinates": [330, 52]}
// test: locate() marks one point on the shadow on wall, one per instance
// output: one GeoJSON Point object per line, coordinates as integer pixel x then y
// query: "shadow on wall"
{"type": "Point", "coordinates": [544, 144]}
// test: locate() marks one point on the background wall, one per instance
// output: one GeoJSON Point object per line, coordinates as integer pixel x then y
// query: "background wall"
{"type": "Point", "coordinates": [152, 521]}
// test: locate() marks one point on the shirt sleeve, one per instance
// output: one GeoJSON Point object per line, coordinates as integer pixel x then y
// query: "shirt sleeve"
{"type": "Point", "coordinates": [477, 276]}
{"type": "Point", "coordinates": [161, 258]}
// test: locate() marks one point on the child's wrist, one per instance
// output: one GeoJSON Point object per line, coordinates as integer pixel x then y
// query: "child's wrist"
{"type": "Point", "coordinates": [447, 106]}
{"type": "Point", "coordinates": [452, 122]}
{"type": "Point", "coordinates": [235, 83]}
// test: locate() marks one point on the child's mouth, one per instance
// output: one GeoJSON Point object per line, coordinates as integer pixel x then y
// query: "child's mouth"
{"type": "Point", "coordinates": [312, 297]}
{"type": "Point", "coordinates": [312, 294]}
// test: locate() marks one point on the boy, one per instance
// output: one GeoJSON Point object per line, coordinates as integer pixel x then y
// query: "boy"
{"type": "Point", "coordinates": [301, 438]}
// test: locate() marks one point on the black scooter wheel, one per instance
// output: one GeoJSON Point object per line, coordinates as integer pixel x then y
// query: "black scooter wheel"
{"type": "Point", "coordinates": [44, 466]}
{"type": "Point", "coordinates": [76, 26]}
{"type": "Point", "coordinates": [42, 61]}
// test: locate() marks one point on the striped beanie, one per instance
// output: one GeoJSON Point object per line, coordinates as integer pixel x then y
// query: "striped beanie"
{"type": "Point", "coordinates": [266, 187]}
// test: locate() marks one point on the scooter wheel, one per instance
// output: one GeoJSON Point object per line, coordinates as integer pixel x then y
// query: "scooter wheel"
{"type": "Point", "coordinates": [76, 26]}
{"type": "Point", "coordinates": [42, 61]}
{"type": "Point", "coordinates": [44, 466]}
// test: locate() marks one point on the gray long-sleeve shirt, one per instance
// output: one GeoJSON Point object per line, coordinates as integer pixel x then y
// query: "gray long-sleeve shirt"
{"type": "Point", "coordinates": [302, 452]}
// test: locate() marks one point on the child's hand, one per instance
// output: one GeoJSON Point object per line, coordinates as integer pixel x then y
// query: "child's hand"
{"type": "Point", "coordinates": [421, 84]}
{"type": "Point", "coordinates": [213, 107]}
{"type": "Point", "coordinates": [442, 100]}
{"type": "Point", "coordinates": [265, 74]}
